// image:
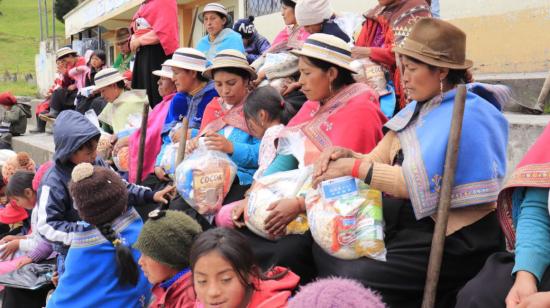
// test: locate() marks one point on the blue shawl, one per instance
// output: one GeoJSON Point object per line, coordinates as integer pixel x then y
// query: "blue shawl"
{"type": "Point", "coordinates": [226, 39]}
{"type": "Point", "coordinates": [90, 277]}
{"type": "Point", "coordinates": [481, 164]}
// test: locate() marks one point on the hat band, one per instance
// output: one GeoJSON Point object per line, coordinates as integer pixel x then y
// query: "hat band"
{"type": "Point", "coordinates": [323, 54]}
{"type": "Point", "coordinates": [416, 47]}
{"type": "Point", "coordinates": [105, 76]}
{"type": "Point", "coordinates": [189, 59]}
{"type": "Point", "coordinates": [226, 57]}
{"type": "Point", "coordinates": [328, 46]}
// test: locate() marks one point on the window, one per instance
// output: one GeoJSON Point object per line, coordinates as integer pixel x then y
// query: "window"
{"type": "Point", "coordinates": [262, 7]}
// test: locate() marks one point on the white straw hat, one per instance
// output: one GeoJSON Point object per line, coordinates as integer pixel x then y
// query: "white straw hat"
{"type": "Point", "coordinates": [328, 48]}
{"type": "Point", "coordinates": [188, 58]}
{"type": "Point", "coordinates": [107, 77]}
{"type": "Point", "coordinates": [230, 58]}
{"type": "Point", "coordinates": [218, 8]}
{"type": "Point", "coordinates": [166, 71]}
{"type": "Point", "coordinates": [61, 52]}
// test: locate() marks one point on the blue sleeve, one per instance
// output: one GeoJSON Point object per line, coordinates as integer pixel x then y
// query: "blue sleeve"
{"type": "Point", "coordinates": [532, 233]}
{"type": "Point", "coordinates": [262, 45]}
{"type": "Point", "coordinates": [178, 108]}
{"type": "Point", "coordinates": [139, 195]}
{"type": "Point", "coordinates": [281, 163]}
{"type": "Point", "coordinates": [246, 154]}
{"type": "Point", "coordinates": [206, 99]}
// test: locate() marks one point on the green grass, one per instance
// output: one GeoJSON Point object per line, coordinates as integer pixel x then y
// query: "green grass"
{"type": "Point", "coordinates": [20, 40]}
{"type": "Point", "coordinates": [19, 88]}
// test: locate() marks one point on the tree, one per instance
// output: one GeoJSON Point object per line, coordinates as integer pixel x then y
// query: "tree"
{"type": "Point", "coordinates": [62, 7]}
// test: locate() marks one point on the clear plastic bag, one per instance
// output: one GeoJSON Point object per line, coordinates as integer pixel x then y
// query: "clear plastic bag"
{"type": "Point", "coordinates": [345, 219]}
{"type": "Point", "coordinates": [269, 189]}
{"type": "Point", "coordinates": [122, 159]}
{"type": "Point", "coordinates": [204, 178]}
{"type": "Point", "coordinates": [370, 74]}
{"type": "Point", "coordinates": [168, 160]}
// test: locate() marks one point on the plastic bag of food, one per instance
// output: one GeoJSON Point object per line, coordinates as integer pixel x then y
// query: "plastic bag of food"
{"type": "Point", "coordinates": [345, 219]}
{"type": "Point", "coordinates": [104, 146]}
{"type": "Point", "coordinates": [122, 159]}
{"type": "Point", "coordinates": [204, 178]}
{"type": "Point", "coordinates": [269, 189]}
{"type": "Point", "coordinates": [168, 160]}
{"type": "Point", "coordinates": [371, 74]}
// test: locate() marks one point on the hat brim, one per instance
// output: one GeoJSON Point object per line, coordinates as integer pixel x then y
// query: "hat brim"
{"type": "Point", "coordinates": [183, 65]}
{"type": "Point", "coordinates": [108, 83]}
{"type": "Point", "coordinates": [208, 72]}
{"type": "Point", "coordinates": [322, 58]}
{"type": "Point", "coordinates": [74, 52]}
{"type": "Point", "coordinates": [164, 74]}
{"type": "Point", "coordinates": [431, 61]}
{"type": "Point", "coordinates": [229, 18]}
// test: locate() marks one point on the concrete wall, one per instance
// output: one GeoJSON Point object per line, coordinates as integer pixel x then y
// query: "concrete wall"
{"type": "Point", "coordinates": [45, 67]}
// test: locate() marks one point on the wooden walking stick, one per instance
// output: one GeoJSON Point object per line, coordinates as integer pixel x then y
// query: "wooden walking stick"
{"type": "Point", "coordinates": [142, 135]}
{"type": "Point", "coordinates": [193, 23]}
{"type": "Point", "coordinates": [438, 241]}
{"type": "Point", "coordinates": [183, 141]}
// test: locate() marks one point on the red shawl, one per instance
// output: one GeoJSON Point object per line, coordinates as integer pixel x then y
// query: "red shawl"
{"type": "Point", "coordinates": [162, 15]}
{"type": "Point", "coordinates": [153, 140]}
{"type": "Point", "coordinates": [532, 171]}
{"type": "Point", "coordinates": [216, 117]}
{"type": "Point", "coordinates": [351, 119]}
{"type": "Point", "coordinates": [395, 22]}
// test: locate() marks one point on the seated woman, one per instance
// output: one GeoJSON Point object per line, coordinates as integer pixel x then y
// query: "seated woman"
{"type": "Point", "coordinates": [220, 36]}
{"type": "Point", "coordinates": [122, 105]}
{"type": "Point", "coordinates": [291, 37]}
{"type": "Point", "coordinates": [155, 125]}
{"type": "Point", "coordinates": [519, 279]}
{"type": "Point", "coordinates": [318, 17]}
{"type": "Point", "coordinates": [338, 112]}
{"type": "Point", "coordinates": [386, 26]}
{"type": "Point", "coordinates": [194, 94]}
{"type": "Point", "coordinates": [85, 100]}
{"type": "Point", "coordinates": [224, 127]}
{"type": "Point", "coordinates": [407, 166]}
{"type": "Point", "coordinates": [101, 267]}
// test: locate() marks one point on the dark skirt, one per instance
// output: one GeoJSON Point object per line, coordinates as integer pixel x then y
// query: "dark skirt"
{"type": "Point", "coordinates": [22, 298]}
{"type": "Point", "coordinates": [62, 99]}
{"type": "Point", "coordinates": [491, 286]}
{"type": "Point", "coordinates": [148, 59]}
{"type": "Point", "coordinates": [401, 279]}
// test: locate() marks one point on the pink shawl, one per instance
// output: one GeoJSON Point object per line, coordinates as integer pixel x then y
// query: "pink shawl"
{"type": "Point", "coordinates": [153, 140]}
{"type": "Point", "coordinates": [162, 15]}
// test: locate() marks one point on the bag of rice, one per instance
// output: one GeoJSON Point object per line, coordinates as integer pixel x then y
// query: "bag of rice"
{"type": "Point", "coordinates": [269, 189]}
{"type": "Point", "coordinates": [204, 178]}
{"type": "Point", "coordinates": [371, 74]}
{"type": "Point", "coordinates": [345, 219]}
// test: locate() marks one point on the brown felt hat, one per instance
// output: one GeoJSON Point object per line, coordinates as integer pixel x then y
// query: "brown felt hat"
{"type": "Point", "coordinates": [122, 35]}
{"type": "Point", "coordinates": [436, 42]}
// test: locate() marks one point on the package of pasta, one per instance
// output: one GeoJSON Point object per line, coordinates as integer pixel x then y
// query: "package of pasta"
{"type": "Point", "coordinates": [271, 188]}
{"type": "Point", "coordinates": [345, 219]}
{"type": "Point", "coordinates": [204, 178]}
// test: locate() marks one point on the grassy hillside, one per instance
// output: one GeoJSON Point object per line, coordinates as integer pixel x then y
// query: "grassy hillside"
{"type": "Point", "coordinates": [20, 40]}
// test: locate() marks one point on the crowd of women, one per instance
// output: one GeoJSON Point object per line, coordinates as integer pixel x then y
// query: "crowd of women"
{"type": "Point", "coordinates": [265, 110]}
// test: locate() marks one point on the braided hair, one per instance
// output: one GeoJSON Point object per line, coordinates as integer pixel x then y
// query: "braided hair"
{"type": "Point", "coordinates": [127, 268]}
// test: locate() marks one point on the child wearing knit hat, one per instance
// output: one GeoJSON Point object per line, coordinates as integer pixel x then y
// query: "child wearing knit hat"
{"type": "Point", "coordinates": [101, 267]}
{"type": "Point", "coordinates": [164, 243]}
{"type": "Point", "coordinates": [335, 292]}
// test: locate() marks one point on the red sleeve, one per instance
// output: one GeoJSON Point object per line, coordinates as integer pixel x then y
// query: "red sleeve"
{"type": "Point", "coordinates": [383, 55]}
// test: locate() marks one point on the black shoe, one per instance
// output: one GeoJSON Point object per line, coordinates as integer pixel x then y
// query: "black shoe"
{"type": "Point", "coordinates": [40, 126]}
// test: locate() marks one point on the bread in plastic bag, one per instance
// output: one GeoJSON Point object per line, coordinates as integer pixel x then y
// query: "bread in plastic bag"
{"type": "Point", "coordinates": [347, 222]}
{"type": "Point", "coordinates": [271, 188]}
{"type": "Point", "coordinates": [122, 159]}
{"type": "Point", "coordinates": [204, 178]}
{"type": "Point", "coordinates": [371, 74]}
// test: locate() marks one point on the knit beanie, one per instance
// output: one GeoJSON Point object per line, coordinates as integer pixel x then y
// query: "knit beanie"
{"type": "Point", "coordinates": [312, 12]}
{"type": "Point", "coordinates": [21, 161]}
{"type": "Point", "coordinates": [245, 27]}
{"type": "Point", "coordinates": [167, 237]}
{"type": "Point", "coordinates": [99, 193]}
{"type": "Point", "coordinates": [7, 99]}
{"type": "Point", "coordinates": [335, 292]}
